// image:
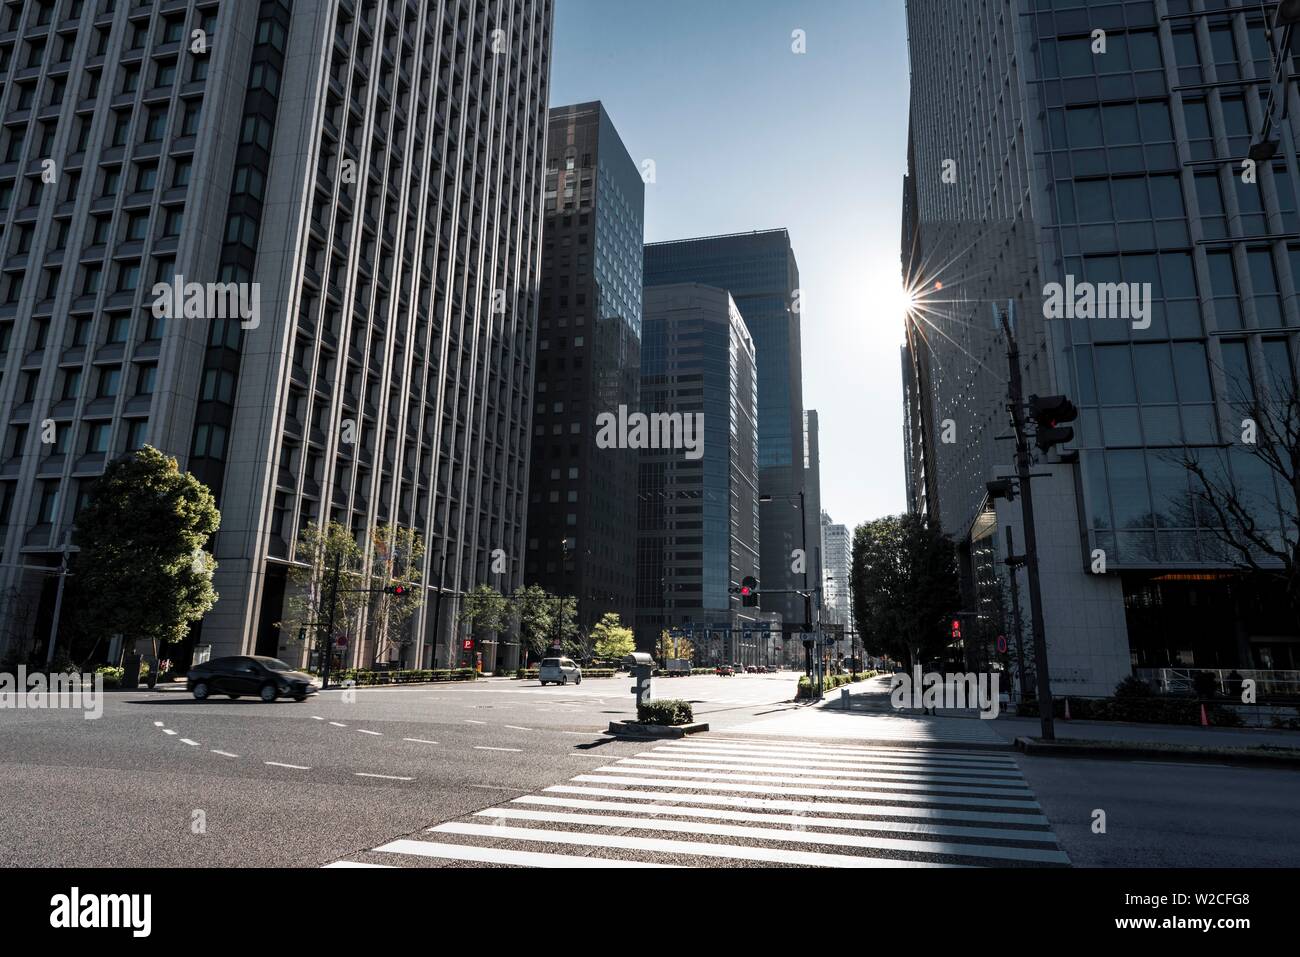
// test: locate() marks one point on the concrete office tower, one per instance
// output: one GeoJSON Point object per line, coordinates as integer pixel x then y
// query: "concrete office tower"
{"type": "Point", "coordinates": [760, 272]}
{"type": "Point", "coordinates": [1053, 164]}
{"type": "Point", "coordinates": [837, 560]}
{"type": "Point", "coordinates": [368, 175]}
{"type": "Point", "coordinates": [698, 511]}
{"type": "Point", "coordinates": [582, 498]}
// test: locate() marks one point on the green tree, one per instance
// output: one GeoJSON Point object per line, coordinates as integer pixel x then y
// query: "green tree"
{"type": "Point", "coordinates": [397, 558]}
{"type": "Point", "coordinates": [308, 604]}
{"type": "Point", "coordinates": [485, 610]}
{"type": "Point", "coordinates": [904, 585]}
{"type": "Point", "coordinates": [669, 647]}
{"type": "Point", "coordinates": [143, 570]}
{"type": "Point", "coordinates": [610, 639]}
{"type": "Point", "coordinates": [534, 610]}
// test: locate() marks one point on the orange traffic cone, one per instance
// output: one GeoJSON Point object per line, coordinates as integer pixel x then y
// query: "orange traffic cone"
{"type": "Point", "coordinates": [1067, 709]}
{"type": "Point", "coordinates": [1205, 720]}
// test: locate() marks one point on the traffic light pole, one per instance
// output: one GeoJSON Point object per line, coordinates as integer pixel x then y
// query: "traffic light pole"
{"type": "Point", "coordinates": [1045, 706]}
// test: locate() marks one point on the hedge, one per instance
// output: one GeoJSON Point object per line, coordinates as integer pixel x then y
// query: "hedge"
{"type": "Point", "coordinates": [829, 682]}
{"type": "Point", "coordinates": [364, 677]}
{"type": "Point", "coordinates": [669, 711]}
{"type": "Point", "coordinates": [1139, 710]}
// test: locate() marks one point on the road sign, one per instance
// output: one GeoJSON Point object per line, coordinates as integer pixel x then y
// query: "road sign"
{"type": "Point", "coordinates": [468, 644]}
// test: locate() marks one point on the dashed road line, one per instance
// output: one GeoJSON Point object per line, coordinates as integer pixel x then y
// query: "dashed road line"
{"type": "Point", "coordinates": [295, 767]}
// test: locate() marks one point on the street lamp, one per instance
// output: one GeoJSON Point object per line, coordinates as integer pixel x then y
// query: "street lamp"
{"type": "Point", "coordinates": [807, 592]}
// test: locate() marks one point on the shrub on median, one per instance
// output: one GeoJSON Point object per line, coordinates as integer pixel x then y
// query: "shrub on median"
{"type": "Point", "coordinates": [807, 685]}
{"type": "Point", "coordinates": [669, 711]}
{"type": "Point", "coordinates": [364, 677]}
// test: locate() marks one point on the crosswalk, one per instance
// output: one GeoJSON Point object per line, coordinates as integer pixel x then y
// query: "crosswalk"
{"type": "Point", "coordinates": [761, 695]}
{"type": "Point", "coordinates": [716, 800]}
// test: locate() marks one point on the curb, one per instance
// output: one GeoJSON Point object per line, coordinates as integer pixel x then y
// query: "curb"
{"type": "Point", "coordinates": [1280, 757]}
{"type": "Point", "coordinates": [633, 729]}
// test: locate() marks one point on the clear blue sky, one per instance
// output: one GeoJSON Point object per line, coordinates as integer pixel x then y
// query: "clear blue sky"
{"type": "Point", "coordinates": [745, 134]}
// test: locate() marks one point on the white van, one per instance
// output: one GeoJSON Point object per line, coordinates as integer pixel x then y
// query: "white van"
{"type": "Point", "coordinates": [559, 670]}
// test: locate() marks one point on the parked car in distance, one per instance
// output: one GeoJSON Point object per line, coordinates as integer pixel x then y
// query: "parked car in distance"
{"type": "Point", "coordinates": [560, 671]}
{"type": "Point", "coordinates": [751, 669]}
{"type": "Point", "coordinates": [726, 670]}
{"type": "Point", "coordinates": [267, 678]}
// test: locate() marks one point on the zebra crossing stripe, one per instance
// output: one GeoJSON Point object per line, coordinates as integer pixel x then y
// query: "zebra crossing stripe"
{"type": "Point", "coordinates": [858, 774]}
{"type": "Point", "coordinates": [838, 751]}
{"type": "Point", "coordinates": [1008, 801]}
{"type": "Point", "coordinates": [885, 810]}
{"type": "Point", "coordinates": [1009, 790]}
{"type": "Point", "coordinates": [837, 760]}
{"type": "Point", "coordinates": [787, 835]}
{"type": "Point", "coordinates": [798, 820]}
{"type": "Point", "coordinates": [742, 852]}
{"type": "Point", "coordinates": [503, 855]}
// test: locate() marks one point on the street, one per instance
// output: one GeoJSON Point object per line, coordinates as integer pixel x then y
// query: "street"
{"type": "Point", "coordinates": [502, 772]}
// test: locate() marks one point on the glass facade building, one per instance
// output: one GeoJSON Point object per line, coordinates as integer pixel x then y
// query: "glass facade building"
{"type": "Point", "coordinates": [697, 516]}
{"type": "Point", "coordinates": [760, 272]}
{"type": "Point", "coordinates": [582, 499]}
{"type": "Point", "coordinates": [1111, 162]}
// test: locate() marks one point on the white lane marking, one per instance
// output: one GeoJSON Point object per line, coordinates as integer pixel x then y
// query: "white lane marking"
{"type": "Point", "coordinates": [699, 849]}
{"type": "Point", "coordinates": [157, 724]}
{"type": "Point", "coordinates": [364, 731]}
{"type": "Point", "coordinates": [338, 724]}
{"type": "Point", "coordinates": [317, 717]}
{"type": "Point", "coordinates": [515, 727]}
{"type": "Point", "coordinates": [357, 864]}
{"type": "Point", "coordinates": [786, 835]}
{"type": "Point", "coordinates": [814, 792]}
{"type": "Point", "coordinates": [1011, 792]}
{"type": "Point", "coordinates": [860, 773]}
{"type": "Point", "coordinates": [472, 721]}
{"type": "Point", "coordinates": [386, 777]}
{"type": "Point", "coordinates": [586, 734]}
{"type": "Point", "coordinates": [494, 787]}
{"type": "Point", "coordinates": [481, 747]}
{"type": "Point", "coordinates": [168, 731]}
{"type": "Point", "coordinates": [419, 741]}
{"type": "Point", "coordinates": [503, 855]}
{"type": "Point", "coordinates": [812, 748]}
{"type": "Point", "coordinates": [224, 754]}
{"type": "Point", "coordinates": [296, 767]}
{"type": "Point", "coordinates": [798, 820]}
{"type": "Point", "coordinates": [192, 744]}
{"type": "Point", "coordinates": [814, 807]}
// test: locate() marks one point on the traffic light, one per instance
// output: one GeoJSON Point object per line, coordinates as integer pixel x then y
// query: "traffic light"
{"type": "Point", "coordinates": [396, 590]}
{"type": "Point", "coordinates": [749, 591]}
{"type": "Point", "coordinates": [956, 629]}
{"type": "Point", "coordinates": [1051, 412]}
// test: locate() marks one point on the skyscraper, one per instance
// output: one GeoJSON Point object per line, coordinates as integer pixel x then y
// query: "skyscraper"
{"type": "Point", "coordinates": [836, 562]}
{"type": "Point", "coordinates": [1103, 151]}
{"type": "Point", "coordinates": [698, 518]}
{"type": "Point", "coordinates": [582, 512]}
{"type": "Point", "coordinates": [376, 208]}
{"type": "Point", "coordinates": [760, 272]}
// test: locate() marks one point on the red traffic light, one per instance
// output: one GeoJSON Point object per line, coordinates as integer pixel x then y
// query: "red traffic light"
{"type": "Point", "coordinates": [746, 590]}
{"type": "Point", "coordinates": [396, 590]}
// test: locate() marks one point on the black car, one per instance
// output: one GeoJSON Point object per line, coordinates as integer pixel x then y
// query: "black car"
{"type": "Point", "coordinates": [268, 678]}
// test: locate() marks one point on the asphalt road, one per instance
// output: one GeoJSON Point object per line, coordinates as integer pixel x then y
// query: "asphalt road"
{"type": "Point", "coordinates": [161, 779]}
{"type": "Point", "coordinates": [506, 772]}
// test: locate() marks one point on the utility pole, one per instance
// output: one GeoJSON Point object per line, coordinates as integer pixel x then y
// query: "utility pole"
{"type": "Point", "coordinates": [1013, 567]}
{"type": "Point", "coordinates": [329, 632]}
{"type": "Point", "coordinates": [437, 608]}
{"type": "Point", "coordinates": [1023, 463]}
{"type": "Point", "coordinates": [58, 605]}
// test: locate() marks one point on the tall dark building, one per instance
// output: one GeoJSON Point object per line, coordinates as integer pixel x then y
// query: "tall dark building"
{"type": "Point", "coordinates": [698, 508]}
{"type": "Point", "coordinates": [760, 272]}
{"type": "Point", "coordinates": [1052, 151]}
{"type": "Point", "coordinates": [582, 510]}
{"type": "Point", "coordinates": [367, 177]}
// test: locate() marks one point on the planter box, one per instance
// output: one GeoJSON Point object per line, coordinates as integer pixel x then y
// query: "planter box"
{"type": "Point", "coordinates": [635, 729]}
